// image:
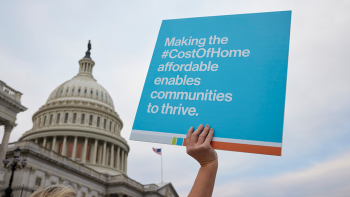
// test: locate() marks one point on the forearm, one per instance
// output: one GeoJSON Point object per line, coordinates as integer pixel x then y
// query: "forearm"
{"type": "Point", "coordinates": [204, 183]}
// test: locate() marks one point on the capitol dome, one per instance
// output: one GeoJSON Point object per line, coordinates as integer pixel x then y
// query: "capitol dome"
{"type": "Point", "coordinates": [82, 87]}
{"type": "Point", "coordinates": [78, 121]}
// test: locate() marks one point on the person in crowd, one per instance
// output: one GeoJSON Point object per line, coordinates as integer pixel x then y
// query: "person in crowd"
{"type": "Point", "coordinates": [54, 191]}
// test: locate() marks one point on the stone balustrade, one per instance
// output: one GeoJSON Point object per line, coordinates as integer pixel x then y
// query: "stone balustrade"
{"type": "Point", "coordinates": [124, 179]}
{"type": "Point", "coordinates": [12, 93]}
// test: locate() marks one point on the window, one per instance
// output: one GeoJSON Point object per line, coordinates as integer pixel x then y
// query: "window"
{"type": "Point", "coordinates": [70, 150]}
{"type": "Point", "coordinates": [73, 90]}
{"type": "Point", "coordinates": [58, 118]}
{"type": "Point", "coordinates": [61, 91]}
{"type": "Point", "coordinates": [90, 120]}
{"type": "Point", "coordinates": [74, 117]}
{"type": "Point", "coordinates": [67, 90]}
{"type": "Point", "coordinates": [51, 119]}
{"type": "Point", "coordinates": [96, 93]}
{"type": "Point", "coordinates": [91, 92]}
{"type": "Point", "coordinates": [104, 124]}
{"type": "Point", "coordinates": [44, 120]}
{"type": "Point", "coordinates": [110, 125]}
{"type": "Point", "coordinates": [38, 181]}
{"type": "Point", "coordinates": [79, 151]}
{"type": "Point", "coordinates": [79, 90]}
{"type": "Point", "coordinates": [66, 118]}
{"type": "Point", "coordinates": [98, 122]}
{"type": "Point", "coordinates": [60, 148]}
{"type": "Point", "coordinates": [115, 126]}
{"type": "Point", "coordinates": [39, 122]}
{"type": "Point", "coordinates": [83, 194]}
{"type": "Point", "coordinates": [102, 95]}
{"type": "Point", "coordinates": [82, 118]}
{"type": "Point", "coordinates": [85, 91]}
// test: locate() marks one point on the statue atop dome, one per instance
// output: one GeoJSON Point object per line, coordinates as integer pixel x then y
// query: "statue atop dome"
{"type": "Point", "coordinates": [87, 54]}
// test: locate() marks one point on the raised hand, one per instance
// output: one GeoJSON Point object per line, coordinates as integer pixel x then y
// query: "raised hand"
{"type": "Point", "coordinates": [198, 145]}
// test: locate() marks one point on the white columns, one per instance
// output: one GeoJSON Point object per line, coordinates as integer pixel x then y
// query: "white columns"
{"type": "Point", "coordinates": [25, 176]}
{"type": "Point", "coordinates": [118, 159]}
{"type": "Point", "coordinates": [107, 156]}
{"type": "Point", "coordinates": [85, 150]}
{"type": "Point", "coordinates": [122, 161]}
{"type": "Point", "coordinates": [44, 142]}
{"type": "Point", "coordinates": [64, 146]}
{"type": "Point", "coordinates": [5, 141]}
{"type": "Point", "coordinates": [53, 143]}
{"type": "Point", "coordinates": [94, 152]}
{"type": "Point", "coordinates": [104, 153]}
{"type": "Point", "coordinates": [74, 152]}
{"type": "Point", "coordinates": [115, 160]}
{"type": "Point", "coordinates": [99, 155]}
{"type": "Point", "coordinates": [112, 156]}
{"type": "Point", "coordinates": [31, 180]}
{"type": "Point", "coordinates": [47, 179]}
{"type": "Point", "coordinates": [126, 162]}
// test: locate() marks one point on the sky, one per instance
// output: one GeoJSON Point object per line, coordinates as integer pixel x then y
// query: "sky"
{"type": "Point", "coordinates": [41, 43]}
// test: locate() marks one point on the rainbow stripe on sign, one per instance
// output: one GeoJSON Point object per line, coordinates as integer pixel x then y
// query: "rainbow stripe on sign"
{"type": "Point", "coordinates": [177, 141]}
{"type": "Point", "coordinates": [248, 146]}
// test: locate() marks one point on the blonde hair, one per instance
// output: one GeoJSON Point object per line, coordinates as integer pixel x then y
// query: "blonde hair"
{"type": "Point", "coordinates": [54, 191]}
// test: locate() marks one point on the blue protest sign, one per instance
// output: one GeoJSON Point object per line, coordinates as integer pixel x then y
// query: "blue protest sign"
{"type": "Point", "coordinates": [226, 71]}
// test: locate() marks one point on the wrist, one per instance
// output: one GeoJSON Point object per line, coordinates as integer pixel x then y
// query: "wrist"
{"type": "Point", "coordinates": [211, 164]}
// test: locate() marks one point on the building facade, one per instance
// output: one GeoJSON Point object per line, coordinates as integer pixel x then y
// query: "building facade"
{"type": "Point", "coordinates": [75, 140]}
{"type": "Point", "coordinates": [47, 167]}
{"type": "Point", "coordinates": [10, 106]}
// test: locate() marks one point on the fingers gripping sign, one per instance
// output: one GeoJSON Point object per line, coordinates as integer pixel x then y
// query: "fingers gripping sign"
{"type": "Point", "coordinates": [198, 144]}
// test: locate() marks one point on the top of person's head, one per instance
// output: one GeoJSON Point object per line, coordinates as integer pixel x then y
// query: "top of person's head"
{"type": "Point", "coordinates": [54, 191]}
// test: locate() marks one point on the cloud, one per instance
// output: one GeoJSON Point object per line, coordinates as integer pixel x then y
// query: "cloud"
{"type": "Point", "coordinates": [329, 178]}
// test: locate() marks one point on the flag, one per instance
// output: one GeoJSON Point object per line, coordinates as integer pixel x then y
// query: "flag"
{"type": "Point", "coordinates": [158, 151]}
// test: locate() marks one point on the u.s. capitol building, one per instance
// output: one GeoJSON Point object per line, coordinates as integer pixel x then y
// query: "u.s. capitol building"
{"type": "Point", "coordinates": [76, 141]}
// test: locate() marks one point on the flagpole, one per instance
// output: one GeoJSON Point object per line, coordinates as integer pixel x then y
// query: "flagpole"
{"type": "Point", "coordinates": [161, 163]}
